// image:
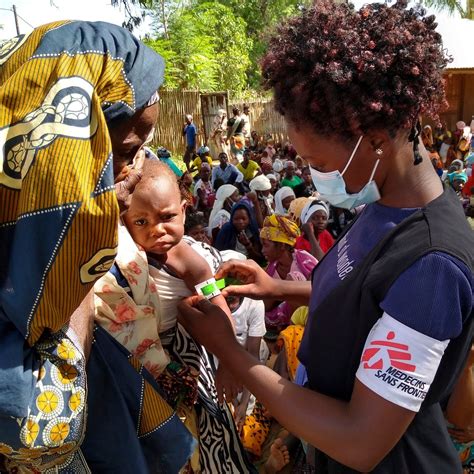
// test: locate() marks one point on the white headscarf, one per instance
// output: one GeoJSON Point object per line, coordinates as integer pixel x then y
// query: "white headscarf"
{"type": "Point", "coordinates": [467, 133]}
{"type": "Point", "coordinates": [458, 162]}
{"type": "Point", "coordinates": [310, 209]}
{"type": "Point", "coordinates": [260, 183]}
{"type": "Point", "coordinates": [281, 194]}
{"type": "Point", "coordinates": [224, 192]}
{"type": "Point", "coordinates": [278, 165]}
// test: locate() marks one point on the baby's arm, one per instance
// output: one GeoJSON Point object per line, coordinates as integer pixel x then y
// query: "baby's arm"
{"type": "Point", "coordinates": [193, 269]}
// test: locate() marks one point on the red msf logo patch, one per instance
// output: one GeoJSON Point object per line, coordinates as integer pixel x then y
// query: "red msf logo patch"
{"type": "Point", "coordinates": [380, 354]}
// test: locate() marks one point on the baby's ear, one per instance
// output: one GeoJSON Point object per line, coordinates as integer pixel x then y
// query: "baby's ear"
{"type": "Point", "coordinates": [184, 205]}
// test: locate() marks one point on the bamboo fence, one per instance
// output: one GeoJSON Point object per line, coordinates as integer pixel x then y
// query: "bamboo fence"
{"type": "Point", "coordinates": [174, 105]}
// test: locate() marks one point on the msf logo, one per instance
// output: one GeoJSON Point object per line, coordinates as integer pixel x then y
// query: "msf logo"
{"type": "Point", "coordinates": [386, 353]}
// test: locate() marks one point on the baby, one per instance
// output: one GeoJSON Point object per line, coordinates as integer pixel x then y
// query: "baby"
{"type": "Point", "coordinates": [154, 269]}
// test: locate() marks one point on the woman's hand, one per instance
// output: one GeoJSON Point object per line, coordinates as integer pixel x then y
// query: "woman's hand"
{"type": "Point", "coordinates": [240, 413]}
{"type": "Point", "coordinates": [125, 188]}
{"type": "Point", "coordinates": [227, 386]}
{"type": "Point", "coordinates": [308, 229]}
{"type": "Point", "coordinates": [208, 324]}
{"type": "Point", "coordinates": [244, 240]}
{"type": "Point", "coordinates": [462, 435]}
{"type": "Point", "coordinates": [256, 283]}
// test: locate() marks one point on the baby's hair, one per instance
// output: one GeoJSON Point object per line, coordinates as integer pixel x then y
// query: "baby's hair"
{"type": "Point", "coordinates": [153, 169]}
{"type": "Point", "coordinates": [345, 72]}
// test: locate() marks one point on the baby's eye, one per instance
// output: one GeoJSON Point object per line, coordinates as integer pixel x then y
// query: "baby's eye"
{"type": "Point", "coordinates": [140, 222]}
{"type": "Point", "coordinates": [167, 217]}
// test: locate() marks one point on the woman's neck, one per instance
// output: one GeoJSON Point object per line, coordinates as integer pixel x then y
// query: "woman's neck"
{"type": "Point", "coordinates": [408, 185]}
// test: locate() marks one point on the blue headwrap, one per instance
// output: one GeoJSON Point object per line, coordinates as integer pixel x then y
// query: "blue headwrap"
{"type": "Point", "coordinates": [227, 236]}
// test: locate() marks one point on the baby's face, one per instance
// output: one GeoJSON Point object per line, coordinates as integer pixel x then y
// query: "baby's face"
{"type": "Point", "coordinates": [155, 218]}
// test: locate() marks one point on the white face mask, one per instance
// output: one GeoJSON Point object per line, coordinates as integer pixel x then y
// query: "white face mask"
{"type": "Point", "coordinates": [332, 187]}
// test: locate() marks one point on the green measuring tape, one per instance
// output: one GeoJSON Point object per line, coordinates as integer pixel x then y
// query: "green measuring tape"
{"type": "Point", "coordinates": [210, 288]}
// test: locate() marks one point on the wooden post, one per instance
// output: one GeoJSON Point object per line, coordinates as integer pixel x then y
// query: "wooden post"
{"type": "Point", "coordinates": [16, 20]}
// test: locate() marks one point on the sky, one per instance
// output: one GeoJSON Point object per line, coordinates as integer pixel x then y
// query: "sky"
{"type": "Point", "coordinates": [38, 12]}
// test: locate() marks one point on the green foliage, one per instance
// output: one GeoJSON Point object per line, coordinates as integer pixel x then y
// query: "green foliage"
{"type": "Point", "coordinates": [218, 44]}
{"type": "Point", "coordinates": [452, 6]}
{"type": "Point", "coordinates": [207, 48]}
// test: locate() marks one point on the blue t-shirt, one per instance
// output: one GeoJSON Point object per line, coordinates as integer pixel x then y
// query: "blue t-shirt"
{"type": "Point", "coordinates": [190, 132]}
{"type": "Point", "coordinates": [432, 296]}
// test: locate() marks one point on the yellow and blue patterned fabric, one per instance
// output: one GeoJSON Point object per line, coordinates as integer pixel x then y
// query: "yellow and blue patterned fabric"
{"type": "Point", "coordinates": [61, 86]}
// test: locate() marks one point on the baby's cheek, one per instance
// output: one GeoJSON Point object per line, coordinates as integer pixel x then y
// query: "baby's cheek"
{"type": "Point", "coordinates": [138, 235]}
{"type": "Point", "coordinates": [178, 233]}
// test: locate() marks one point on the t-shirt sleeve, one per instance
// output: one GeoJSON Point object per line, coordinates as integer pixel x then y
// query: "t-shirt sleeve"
{"type": "Point", "coordinates": [256, 321]}
{"type": "Point", "coordinates": [423, 310]}
{"type": "Point", "coordinates": [399, 363]}
{"type": "Point", "coordinates": [433, 296]}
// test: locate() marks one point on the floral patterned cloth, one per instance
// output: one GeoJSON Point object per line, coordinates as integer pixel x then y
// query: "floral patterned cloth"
{"type": "Point", "coordinates": [127, 305]}
{"type": "Point", "coordinates": [129, 308]}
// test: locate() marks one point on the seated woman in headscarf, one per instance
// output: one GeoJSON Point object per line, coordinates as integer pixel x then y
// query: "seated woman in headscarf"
{"type": "Point", "coordinates": [262, 186]}
{"type": "Point", "coordinates": [457, 180]}
{"type": "Point", "coordinates": [316, 239]}
{"type": "Point", "coordinates": [226, 196]}
{"type": "Point", "coordinates": [283, 198]}
{"type": "Point", "coordinates": [278, 237]}
{"type": "Point", "coordinates": [241, 233]}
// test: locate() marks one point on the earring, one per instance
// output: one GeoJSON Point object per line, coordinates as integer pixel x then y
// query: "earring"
{"type": "Point", "coordinates": [379, 151]}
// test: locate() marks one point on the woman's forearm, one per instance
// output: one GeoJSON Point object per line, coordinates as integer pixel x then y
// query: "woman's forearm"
{"type": "Point", "coordinates": [325, 422]}
{"type": "Point", "coordinates": [316, 250]}
{"type": "Point", "coordinates": [296, 293]}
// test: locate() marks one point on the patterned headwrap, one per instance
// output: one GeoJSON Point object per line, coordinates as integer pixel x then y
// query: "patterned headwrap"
{"type": "Point", "coordinates": [311, 207]}
{"type": "Point", "coordinates": [280, 229]}
{"type": "Point", "coordinates": [296, 208]}
{"type": "Point", "coordinates": [61, 87]}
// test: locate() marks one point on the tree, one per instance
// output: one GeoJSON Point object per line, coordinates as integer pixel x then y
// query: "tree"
{"type": "Point", "coordinates": [206, 47]}
{"type": "Point", "coordinates": [162, 11]}
{"type": "Point", "coordinates": [132, 18]}
{"type": "Point", "coordinates": [261, 17]}
{"type": "Point", "coordinates": [465, 9]}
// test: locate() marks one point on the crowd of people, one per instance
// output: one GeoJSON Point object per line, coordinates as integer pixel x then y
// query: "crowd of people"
{"type": "Point", "coordinates": [275, 307]}
{"type": "Point", "coordinates": [266, 208]}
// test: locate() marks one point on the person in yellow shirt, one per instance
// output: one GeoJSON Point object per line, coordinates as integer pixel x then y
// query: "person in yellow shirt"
{"type": "Point", "coordinates": [202, 156]}
{"type": "Point", "coordinates": [248, 167]}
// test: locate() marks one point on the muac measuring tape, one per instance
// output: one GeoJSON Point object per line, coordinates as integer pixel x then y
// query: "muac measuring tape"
{"type": "Point", "coordinates": [210, 288]}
